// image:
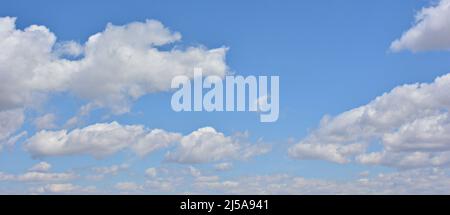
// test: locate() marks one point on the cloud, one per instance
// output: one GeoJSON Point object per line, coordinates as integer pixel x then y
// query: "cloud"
{"type": "Point", "coordinates": [151, 172]}
{"type": "Point", "coordinates": [63, 188]}
{"type": "Point", "coordinates": [154, 140]}
{"type": "Point", "coordinates": [10, 122]}
{"type": "Point", "coordinates": [423, 181]}
{"type": "Point", "coordinates": [225, 166]}
{"type": "Point", "coordinates": [41, 167]}
{"type": "Point", "coordinates": [113, 68]}
{"type": "Point", "coordinates": [127, 186]}
{"type": "Point", "coordinates": [128, 64]}
{"type": "Point", "coordinates": [411, 124]}
{"type": "Point", "coordinates": [163, 185]}
{"type": "Point", "coordinates": [331, 152]}
{"type": "Point", "coordinates": [46, 121]}
{"type": "Point", "coordinates": [430, 32]}
{"type": "Point", "coordinates": [208, 145]}
{"type": "Point", "coordinates": [104, 139]}
{"type": "Point", "coordinates": [35, 175]}
{"type": "Point", "coordinates": [27, 66]}
{"type": "Point", "coordinates": [44, 176]}
{"type": "Point", "coordinates": [98, 140]}
{"type": "Point", "coordinates": [110, 170]}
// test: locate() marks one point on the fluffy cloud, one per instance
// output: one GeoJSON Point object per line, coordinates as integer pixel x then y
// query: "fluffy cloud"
{"type": "Point", "coordinates": [208, 145]}
{"type": "Point", "coordinates": [103, 139]}
{"type": "Point", "coordinates": [98, 140]}
{"type": "Point", "coordinates": [28, 67]}
{"type": "Point", "coordinates": [430, 32]}
{"type": "Point", "coordinates": [124, 62]}
{"type": "Point", "coordinates": [154, 140]}
{"type": "Point", "coordinates": [112, 68]}
{"type": "Point", "coordinates": [410, 123]}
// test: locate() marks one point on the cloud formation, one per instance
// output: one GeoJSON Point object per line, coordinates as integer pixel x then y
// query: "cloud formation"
{"type": "Point", "coordinates": [208, 145]}
{"type": "Point", "coordinates": [104, 139]}
{"type": "Point", "coordinates": [99, 140]}
{"type": "Point", "coordinates": [38, 173]}
{"type": "Point", "coordinates": [411, 123]}
{"type": "Point", "coordinates": [10, 122]}
{"type": "Point", "coordinates": [430, 32]}
{"type": "Point", "coordinates": [113, 68]}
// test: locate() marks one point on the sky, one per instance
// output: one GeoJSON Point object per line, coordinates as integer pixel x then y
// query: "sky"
{"type": "Point", "coordinates": [85, 97]}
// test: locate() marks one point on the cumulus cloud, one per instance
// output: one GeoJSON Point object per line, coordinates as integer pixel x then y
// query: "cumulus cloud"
{"type": "Point", "coordinates": [208, 145]}
{"type": "Point", "coordinates": [27, 66]}
{"type": "Point", "coordinates": [410, 123]}
{"type": "Point", "coordinates": [154, 140]}
{"type": "Point", "coordinates": [104, 139]}
{"type": "Point", "coordinates": [113, 68]}
{"type": "Point", "coordinates": [430, 32]}
{"type": "Point", "coordinates": [98, 140]}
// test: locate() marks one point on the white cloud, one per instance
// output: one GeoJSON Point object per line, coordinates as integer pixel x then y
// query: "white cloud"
{"type": "Point", "coordinates": [331, 152]}
{"type": "Point", "coordinates": [127, 186]}
{"type": "Point", "coordinates": [114, 67]}
{"type": "Point", "coordinates": [430, 32]}
{"type": "Point", "coordinates": [154, 140]}
{"type": "Point", "coordinates": [46, 121]}
{"type": "Point", "coordinates": [411, 123]}
{"type": "Point", "coordinates": [110, 170]}
{"type": "Point", "coordinates": [34, 176]}
{"type": "Point", "coordinates": [39, 173]}
{"type": "Point", "coordinates": [225, 166]}
{"type": "Point", "coordinates": [41, 167]}
{"type": "Point", "coordinates": [151, 172]}
{"type": "Point", "coordinates": [63, 188]}
{"type": "Point", "coordinates": [207, 145]}
{"type": "Point", "coordinates": [45, 176]}
{"type": "Point", "coordinates": [423, 181]}
{"type": "Point", "coordinates": [10, 121]}
{"type": "Point", "coordinates": [104, 139]}
{"type": "Point", "coordinates": [98, 140]}
{"type": "Point", "coordinates": [163, 185]}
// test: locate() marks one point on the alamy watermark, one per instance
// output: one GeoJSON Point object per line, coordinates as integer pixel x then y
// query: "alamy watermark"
{"type": "Point", "coordinates": [229, 97]}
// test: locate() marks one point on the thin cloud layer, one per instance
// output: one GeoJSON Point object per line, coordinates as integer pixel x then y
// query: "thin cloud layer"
{"type": "Point", "coordinates": [10, 122]}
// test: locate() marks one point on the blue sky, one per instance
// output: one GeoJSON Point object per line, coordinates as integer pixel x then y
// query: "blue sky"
{"type": "Point", "coordinates": [331, 56]}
